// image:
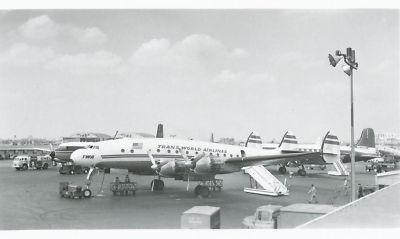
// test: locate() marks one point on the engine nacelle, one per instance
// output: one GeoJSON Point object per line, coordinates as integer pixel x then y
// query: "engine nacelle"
{"type": "Point", "coordinates": [203, 166]}
{"type": "Point", "coordinates": [168, 169]}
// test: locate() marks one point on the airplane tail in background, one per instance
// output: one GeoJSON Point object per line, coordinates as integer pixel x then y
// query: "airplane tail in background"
{"type": "Point", "coordinates": [254, 141]}
{"type": "Point", "coordinates": [367, 138]}
{"type": "Point", "coordinates": [330, 149]}
{"type": "Point", "coordinates": [160, 131]}
{"type": "Point", "coordinates": [288, 142]}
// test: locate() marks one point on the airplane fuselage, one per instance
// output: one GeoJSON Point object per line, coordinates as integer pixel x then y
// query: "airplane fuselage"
{"type": "Point", "coordinates": [133, 154]}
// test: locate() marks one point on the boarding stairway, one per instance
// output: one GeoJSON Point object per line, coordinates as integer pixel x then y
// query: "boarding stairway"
{"type": "Point", "coordinates": [264, 182]}
{"type": "Point", "coordinates": [340, 169]}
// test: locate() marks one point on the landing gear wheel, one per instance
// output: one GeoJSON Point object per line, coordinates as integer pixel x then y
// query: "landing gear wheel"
{"type": "Point", "coordinates": [25, 167]}
{"type": "Point", "coordinates": [201, 191]}
{"type": "Point", "coordinates": [158, 185]}
{"type": "Point", "coordinates": [85, 171]}
{"type": "Point", "coordinates": [282, 170]}
{"type": "Point", "coordinates": [72, 172]}
{"type": "Point", "coordinates": [87, 193]}
{"type": "Point", "coordinates": [301, 172]}
{"type": "Point", "coordinates": [45, 166]}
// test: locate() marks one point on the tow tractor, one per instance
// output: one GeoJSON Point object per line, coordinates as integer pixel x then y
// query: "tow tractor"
{"type": "Point", "coordinates": [72, 169]}
{"type": "Point", "coordinates": [68, 190]}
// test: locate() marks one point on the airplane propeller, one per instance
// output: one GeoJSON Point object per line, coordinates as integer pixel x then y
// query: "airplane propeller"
{"type": "Point", "coordinates": [190, 165]}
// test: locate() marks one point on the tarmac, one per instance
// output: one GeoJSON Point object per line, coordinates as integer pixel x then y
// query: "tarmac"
{"type": "Point", "coordinates": [30, 199]}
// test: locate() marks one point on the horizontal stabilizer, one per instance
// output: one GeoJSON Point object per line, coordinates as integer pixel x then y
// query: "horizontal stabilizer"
{"type": "Point", "coordinates": [254, 141]}
{"type": "Point", "coordinates": [288, 142]}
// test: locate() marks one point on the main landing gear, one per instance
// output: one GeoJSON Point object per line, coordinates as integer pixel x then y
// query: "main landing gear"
{"type": "Point", "coordinates": [201, 191]}
{"type": "Point", "coordinates": [302, 171]}
{"type": "Point", "coordinates": [282, 170]}
{"type": "Point", "coordinates": [157, 185]}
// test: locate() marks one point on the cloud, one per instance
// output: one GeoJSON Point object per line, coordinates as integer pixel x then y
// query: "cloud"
{"type": "Point", "coordinates": [195, 55]}
{"type": "Point", "coordinates": [23, 55]}
{"type": "Point", "coordinates": [99, 62]}
{"type": "Point", "coordinates": [42, 28]}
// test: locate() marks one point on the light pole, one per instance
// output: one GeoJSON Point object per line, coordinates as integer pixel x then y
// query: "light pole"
{"type": "Point", "coordinates": [351, 64]}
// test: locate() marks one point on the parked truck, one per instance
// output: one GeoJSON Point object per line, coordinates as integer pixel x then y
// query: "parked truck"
{"type": "Point", "coordinates": [265, 217]}
{"type": "Point", "coordinates": [25, 162]}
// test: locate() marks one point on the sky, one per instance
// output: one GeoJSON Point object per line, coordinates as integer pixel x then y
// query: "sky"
{"type": "Point", "coordinates": [227, 72]}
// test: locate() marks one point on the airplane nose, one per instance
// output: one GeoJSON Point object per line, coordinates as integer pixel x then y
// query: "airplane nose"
{"type": "Point", "coordinates": [76, 157]}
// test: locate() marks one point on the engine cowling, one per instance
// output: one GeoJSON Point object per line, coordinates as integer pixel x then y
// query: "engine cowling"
{"type": "Point", "coordinates": [203, 166]}
{"type": "Point", "coordinates": [168, 169]}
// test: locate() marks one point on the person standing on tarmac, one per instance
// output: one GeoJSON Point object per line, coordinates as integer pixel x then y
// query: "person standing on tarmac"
{"type": "Point", "coordinates": [313, 194]}
{"type": "Point", "coordinates": [345, 187]}
{"type": "Point", "coordinates": [360, 191]}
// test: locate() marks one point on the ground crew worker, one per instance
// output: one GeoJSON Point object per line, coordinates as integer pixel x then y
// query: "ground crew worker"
{"type": "Point", "coordinates": [360, 191]}
{"type": "Point", "coordinates": [313, 194]}
{"type": "Point", "coordinates": [346, 187]}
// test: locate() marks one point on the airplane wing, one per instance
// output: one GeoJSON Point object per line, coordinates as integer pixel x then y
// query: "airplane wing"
{"type": "Point", "coordinates": [267, 160]}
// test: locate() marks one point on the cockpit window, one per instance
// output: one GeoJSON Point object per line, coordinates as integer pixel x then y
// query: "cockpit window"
{"type": "Point", "coordinates": [92, 147]}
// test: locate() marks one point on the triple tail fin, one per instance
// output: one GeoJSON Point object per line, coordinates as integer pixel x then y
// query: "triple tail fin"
{"type": "Point", "coordinates": [288, 142]}
{"type": "Point", "coordinates": [254, 141]}
{"type": "Point", "coordinates": [367, 138]}
{"type": "Point", "coordinates": [330, 149]}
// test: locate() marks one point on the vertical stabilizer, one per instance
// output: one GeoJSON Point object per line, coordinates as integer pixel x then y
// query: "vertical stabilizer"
{"type": "Point", "coordinates": [160, 131]}
{"type": "Point", "coordinates": [330, 149]}
{"type": "Point", "coordinates": [367, 138]}
{"type": "Point", "coordinates": [288, 142]}
{"type": "Point", "coordinates": [254, 141]}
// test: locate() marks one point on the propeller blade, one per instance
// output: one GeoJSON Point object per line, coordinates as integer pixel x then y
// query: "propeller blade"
{"type": "Point", "coordinates": [154, 166]}
{"type": "Point", "coordinates": [188, 182]}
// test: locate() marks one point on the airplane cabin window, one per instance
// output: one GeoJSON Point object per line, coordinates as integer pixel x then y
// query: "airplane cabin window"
{"type": "Point", "coordinates": [196, 152]}
{"type": "Point", "coordinates": [122, 150]}
{"type": "Point", "coordinates": [224, 155]}
{"type": "Point", "coordinates": [187, 152]}
{"type": "Point", "coordinates": [176, 151]}
{"type": "Point", "coordinates": [158, 150]}
{"type": "Point", "coordinates": [169, 151]}
{"type": "Point", "coordinates": [231, 155]}
{"type": "Point", "coordinates": [217, 154]}
{"type": "Point", "coordinates": [132, 151]}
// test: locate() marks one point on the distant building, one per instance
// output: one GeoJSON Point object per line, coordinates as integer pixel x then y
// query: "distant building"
{"type": "Point", "coordinates": [230, 141]}
{"type": "Point", "coordinates": [86, 137]}
{"type": "Point", "coordinates": [388, 139]}
{"type": "Point", "coordinates": [10, 151]}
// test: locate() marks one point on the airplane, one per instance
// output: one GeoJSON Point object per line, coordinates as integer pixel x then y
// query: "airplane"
{"type": "Point", "coordinates": [317, 147]}
{"type": "Point", "coordinates": [186, 160]}
{"type": "Point", "coordinates": [389, 153]}
{"type": "Point", "coordinates": [62, 154]}
{"type": "Point", "coordinates": [365, 148]}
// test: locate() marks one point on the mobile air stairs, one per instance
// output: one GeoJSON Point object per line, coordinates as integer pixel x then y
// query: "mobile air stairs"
{"type": "Point", "coordinates": [263, 182]}
{"type": "Point", "coordinates": [340, 169]}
